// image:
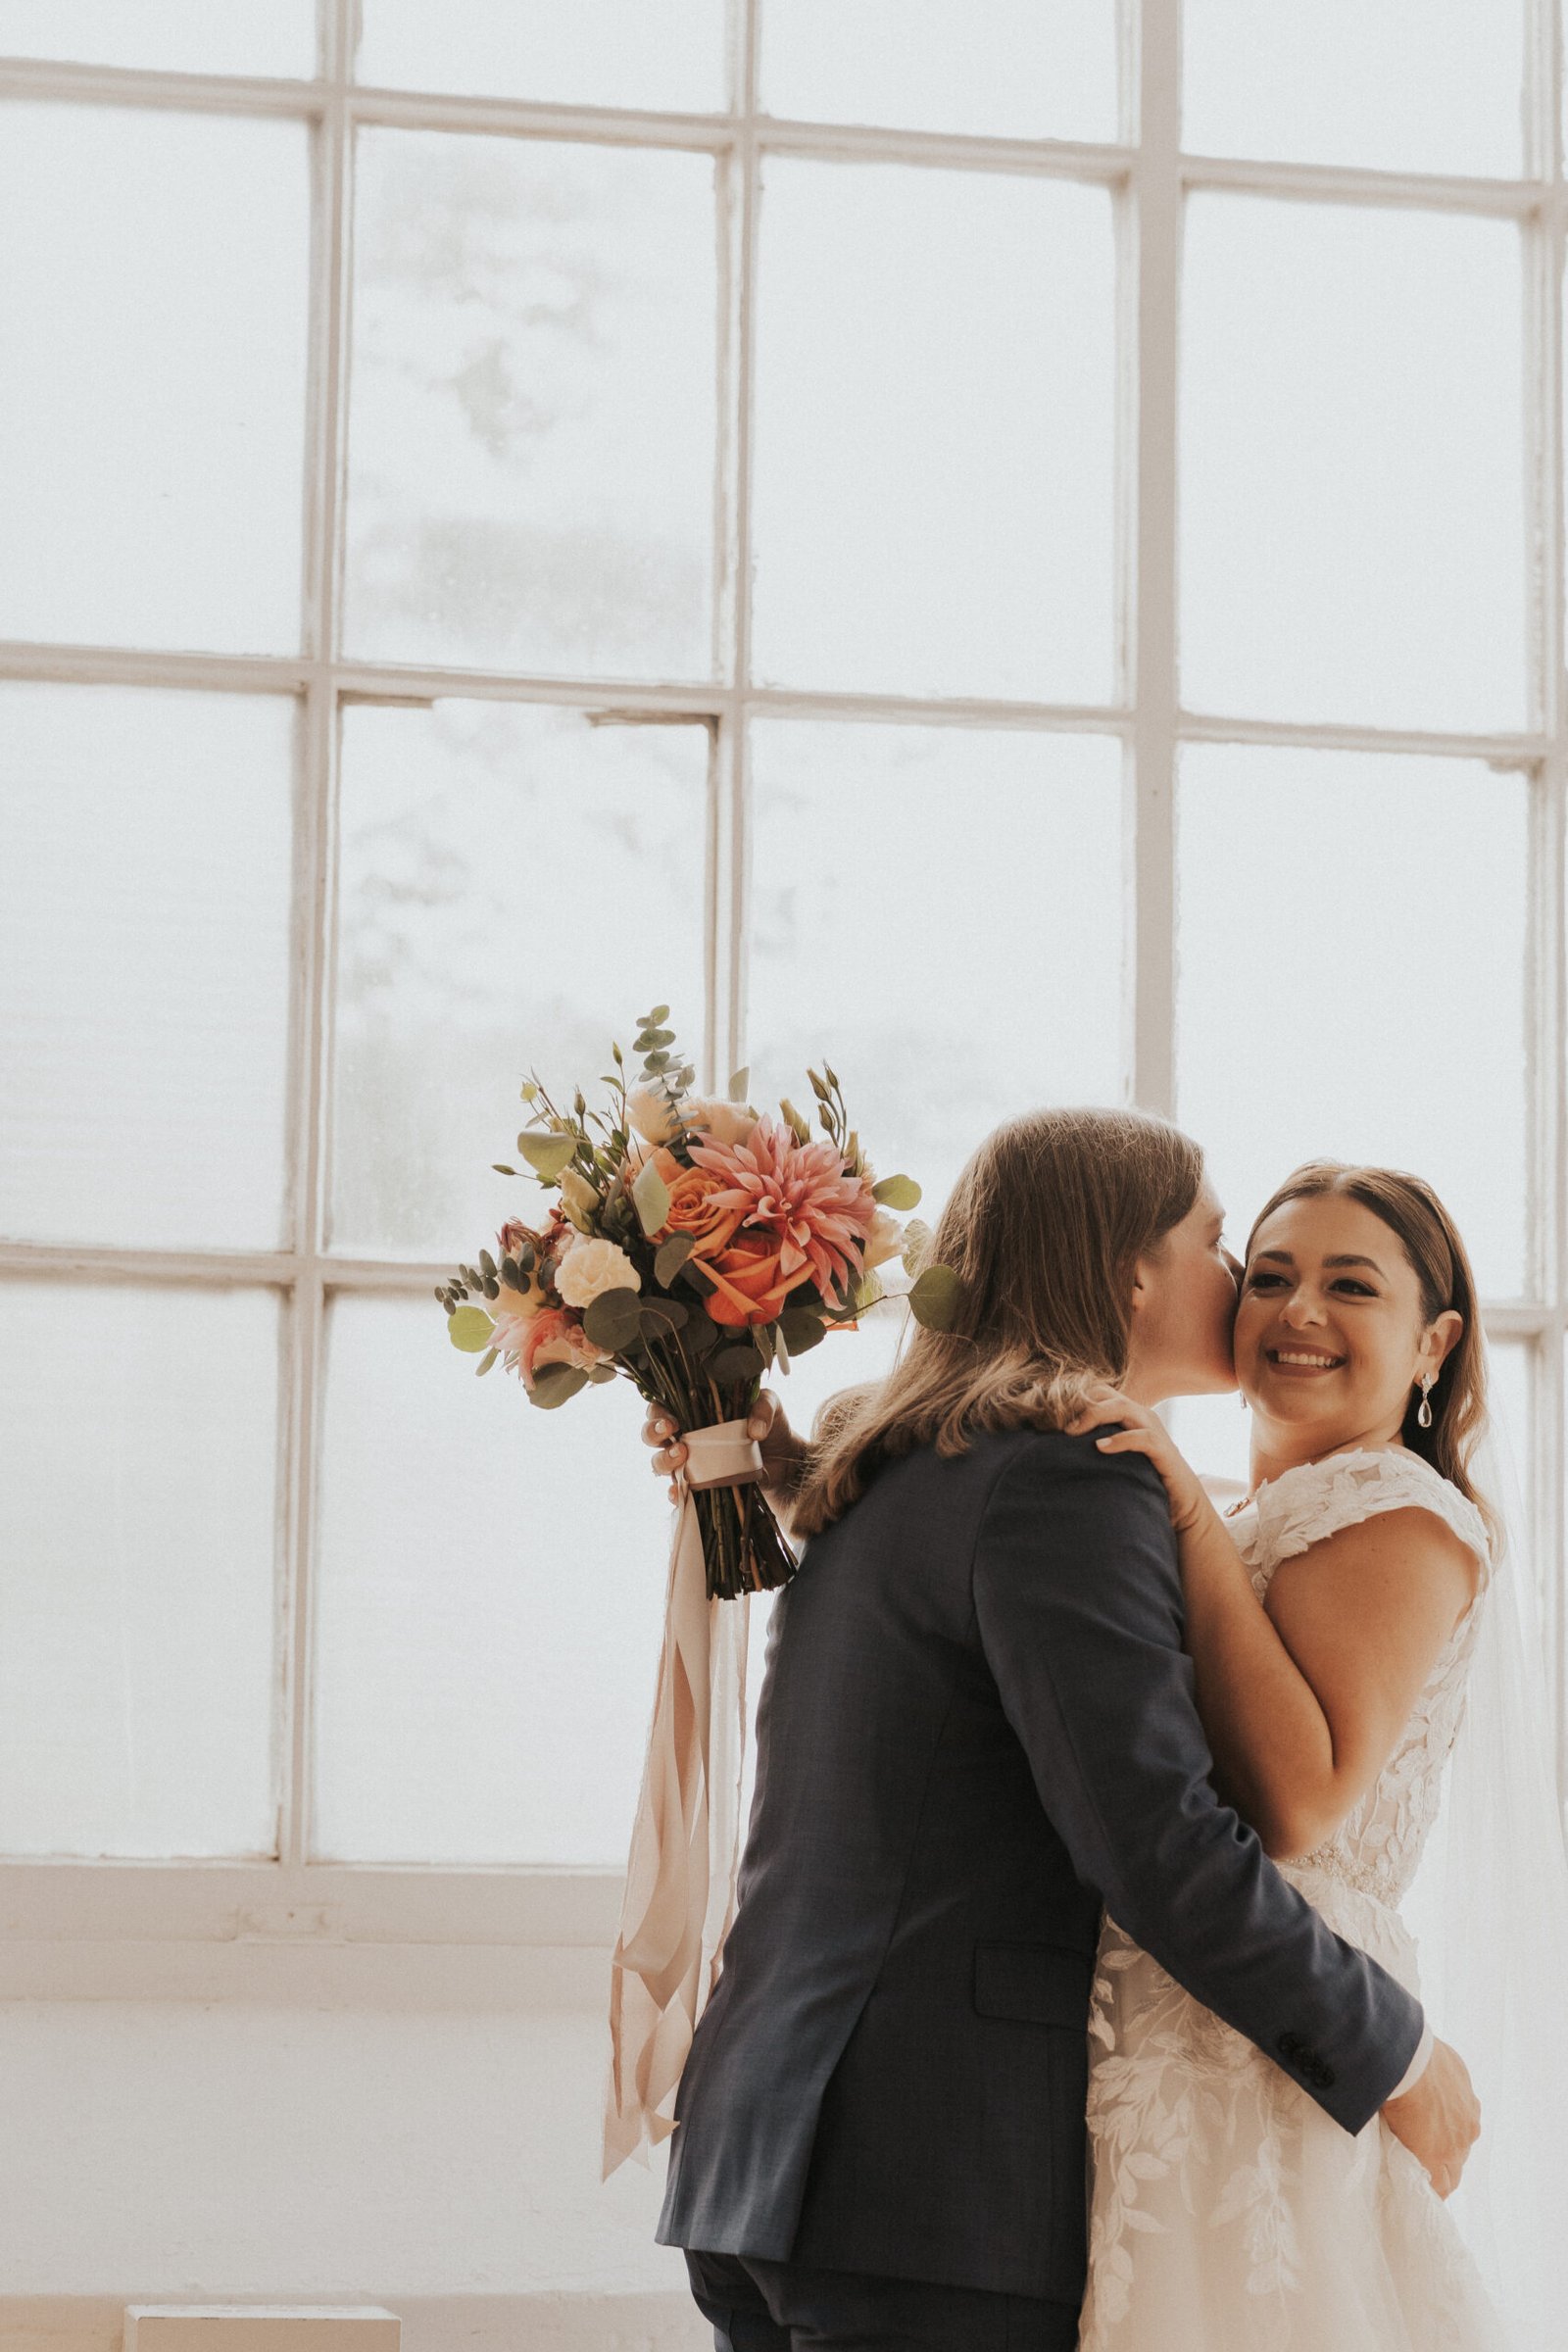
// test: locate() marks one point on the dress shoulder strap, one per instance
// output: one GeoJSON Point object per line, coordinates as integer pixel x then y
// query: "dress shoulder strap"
{"type": "Point", "coordinates": [1315, 1499]}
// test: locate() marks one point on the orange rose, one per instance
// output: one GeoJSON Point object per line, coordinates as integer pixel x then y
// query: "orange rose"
{"type": "Point", "coordinates": [750, 1285]}
{"type": "Point", "coordinates": [692, 1207]}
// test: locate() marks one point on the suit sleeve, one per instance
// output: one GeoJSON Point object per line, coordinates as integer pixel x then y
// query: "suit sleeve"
{"type": "Point", "coordinates": [1078, 1603]}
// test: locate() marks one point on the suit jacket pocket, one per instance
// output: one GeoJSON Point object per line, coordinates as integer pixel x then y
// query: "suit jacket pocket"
{"type": "Point", "coordinates": [1042, 1984]}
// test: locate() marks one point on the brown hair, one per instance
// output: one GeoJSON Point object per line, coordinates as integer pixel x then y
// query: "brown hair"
{"type": "Point", "coordinates": [1044, 1229]}
{"type": "Point", "coordinates": [1430, 1239]}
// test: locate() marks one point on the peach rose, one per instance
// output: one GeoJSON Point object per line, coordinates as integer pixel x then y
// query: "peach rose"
{"type": "Point", "coordinates": [692, 1194]}
{"type": "Point", "coordinates": [556, 1338]}
{"type": "Point", "coordinates": [751, 1286]}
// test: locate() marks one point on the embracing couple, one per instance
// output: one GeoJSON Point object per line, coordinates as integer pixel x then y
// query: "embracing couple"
{"type": "Point", "coordinates": [1022, 2039]}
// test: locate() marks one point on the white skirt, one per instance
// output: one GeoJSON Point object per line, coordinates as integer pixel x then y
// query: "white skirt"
{"type": "Point", "coordinates": [1227, 2213]}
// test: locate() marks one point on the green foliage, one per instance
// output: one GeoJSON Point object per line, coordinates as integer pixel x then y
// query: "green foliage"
{"type": "Point", "coordinates": [659, 1317]}
{"type": "Point", "coordinates": [897, 1192]}
{"type": "Point", "coordinates": [485, 1362]}
{"type": "Point", "coordinates": [651, 1199]}
{"type": "Point", "coordinates": [553, 1384]}
{"type": "Point", "coordinates": [547, 1154]}
{"type": "Point", "coordinates": [672, 1255]}
{"type": "Point", "coordinates": [737, 1362]}
{"type": "Point", "coordinates": [469, 1330]}
{"type": "Point", "coordinates": [613, 1320]}
{"type": "Point", "coordinates": [500, 1168]}
{"type": "Point", "coordinates": [799, 1328]}
{"type": "Point", "coordinates": [935, 1297]}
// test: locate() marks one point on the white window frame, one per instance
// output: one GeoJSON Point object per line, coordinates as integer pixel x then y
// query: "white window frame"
{"type": "Point", "coordinates": [286, 1924]}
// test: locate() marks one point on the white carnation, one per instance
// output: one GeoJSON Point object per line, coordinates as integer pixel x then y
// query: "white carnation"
{"type": "Point", "coordinates": [589, 1268]}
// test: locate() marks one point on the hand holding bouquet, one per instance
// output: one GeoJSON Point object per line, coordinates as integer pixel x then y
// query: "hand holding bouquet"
{"type": "Point", "coordinates": [693, 1246]}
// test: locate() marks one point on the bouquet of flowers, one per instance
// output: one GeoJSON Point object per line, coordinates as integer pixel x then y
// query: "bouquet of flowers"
{"type": "Point", "coordinates": [692, 1246]}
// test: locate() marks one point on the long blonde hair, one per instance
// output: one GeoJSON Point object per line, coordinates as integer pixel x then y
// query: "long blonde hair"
{"type": "Point", "coordinates": [1044, 1229]}
{"type": "Point", "coordinates": [1430, 1239]}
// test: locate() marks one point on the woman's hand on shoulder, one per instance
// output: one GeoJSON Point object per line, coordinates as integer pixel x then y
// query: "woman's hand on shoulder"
{"type": "Point", "coordinates": [1145, 1433]}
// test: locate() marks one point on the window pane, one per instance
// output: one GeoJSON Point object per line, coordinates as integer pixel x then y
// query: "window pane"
{"type": "Point", "coordinates": [1408, 86]}
{"type": "Point", "coordinates": [145, 845]}
{"type": "Point", "coordinates": [154, 289]}
{"type": "Point", "coordinates": [516, 887]}
{"type": "Point", "coordinates": [658, 53]}
{"type": "Point", "coordinates": [1352, 511]}
{"type": "Point", "coordinates": [1012, 69]}
{"type": "Point", "coordinates": [484, 1698]}
{"type": "Point", "coordinates": [532, 422]}
{"type": "Point", "coordinates": [182, 36]}
{"type": "Point", "coordinates": [935, 431]}
{"type": "Point", "coordinates": [139, 1614]}
{"type": "Point", "coordinates": [1351, 979]}
{"type": "Point", "coordinates": [962, 961]}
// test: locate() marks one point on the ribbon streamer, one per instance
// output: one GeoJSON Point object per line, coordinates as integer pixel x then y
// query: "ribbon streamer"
{"type": "Point", "coordinates": [680, 1876]}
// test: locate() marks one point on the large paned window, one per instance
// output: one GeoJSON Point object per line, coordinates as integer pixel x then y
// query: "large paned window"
{"type": "Point", "coordinates": [1018, 549]}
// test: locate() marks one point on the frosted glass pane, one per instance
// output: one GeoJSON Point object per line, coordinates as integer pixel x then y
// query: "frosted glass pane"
{"type": "Point", "coordinates": [153, 295]}
{"type": "Point", "coordinates": [935, 432]}
{"type": "Point", "coordinates": [516, 887]}
{"type": "Point", "coordinates": [1351, 979]}
{"type": "Point", "coordinates": [1010, 70]}
{"type": "Point", "coordinates": [533, 414]}
{"type": "Point", "coordinates": [145, 845]}
{"type": "Point", "coordinates": [1408, 86]}
{"type": "Point", "coordinates": [658, 53]}
{"type": "Point", "coordinates": [962, 960]}
{"type": "Point", "coordinates": [140, 1601]}
{"type": "Point", "coordinates": [182, 36]}
{"type": "Point", "coordinates": [1351, 476]}
{"type": "Point", "coordinates": [492, 1592]}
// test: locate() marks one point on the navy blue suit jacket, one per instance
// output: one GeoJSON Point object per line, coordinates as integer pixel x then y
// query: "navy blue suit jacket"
{"type": "Point", "coordinates": [977, 1725]}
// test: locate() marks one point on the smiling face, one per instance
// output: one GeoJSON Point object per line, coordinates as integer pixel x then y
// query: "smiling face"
{"type": "Point", "coordinates": [1330, 1335]}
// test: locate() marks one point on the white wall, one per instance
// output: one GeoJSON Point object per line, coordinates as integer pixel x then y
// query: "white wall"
{"type": "Point", "coordinates": [442, 2161]}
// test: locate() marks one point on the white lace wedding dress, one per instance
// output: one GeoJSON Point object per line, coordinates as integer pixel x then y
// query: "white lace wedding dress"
{"type": "Point", "coordinates": [1229, 2213]}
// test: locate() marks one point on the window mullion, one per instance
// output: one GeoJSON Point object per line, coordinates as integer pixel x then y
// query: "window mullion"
{"type": "Point", "coordinates": [330, 264]}
{"type": "Point", "coordinates": [1150, 298]}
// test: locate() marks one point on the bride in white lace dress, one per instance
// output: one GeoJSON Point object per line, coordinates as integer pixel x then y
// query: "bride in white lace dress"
{"type": "Point", "coordinates": [1330, 1620]}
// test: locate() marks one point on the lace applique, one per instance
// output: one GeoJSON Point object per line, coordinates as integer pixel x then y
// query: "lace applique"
{"type": "Point", "coordinates": [1376, 1848]}
{"type": "Point", "coordinates": [1303, 2233]}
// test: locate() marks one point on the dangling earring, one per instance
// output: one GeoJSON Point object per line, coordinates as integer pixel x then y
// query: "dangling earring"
{"type": "Point", "coordinates": [1423, 1412]}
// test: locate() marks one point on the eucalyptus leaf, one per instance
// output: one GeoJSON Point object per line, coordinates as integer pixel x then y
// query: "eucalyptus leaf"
{"type": "Point", "coordinates": [656, 1064]}
{"type": "Point", "coordinates": [487, 1261]}
{"type": "Point", "coordinates": [500, 1168]}
{"type": "Point", "coordinates": [613, 1319]}
{"type": "Point", "coordinates": [897, 1192]}
{"type": "Point", "coordinates": [653, 1036]}
{"type": "Point", "coordinates": [736, 1363]}
{"type": "Point", "coordinates": [547, 1154]}
{"type": "Point", "coordinates": [739, 1083]}
{"type": "Point", "coordinates": [553, 1384]}
{"type": "Point", "coordinates": [469, 1330]}
{"type": "Point", "coordinates": [485, 1362]}
{"type": "Point", "coordinates": [661, 1316]}
{"type": "Point", "coordinates": [599, 1374]}
{"type": "Point", "coordinates": [651, 1199]}
{"type": "Point", "coordinates": [935, 1297]}
{"type": "Point", "coordinates": [672, 1255]}
{"type": "Point", "coordinates": [800, 1329]}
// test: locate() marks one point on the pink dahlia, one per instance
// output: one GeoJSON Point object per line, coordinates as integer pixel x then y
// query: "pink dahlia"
{"type": "Point", "coordinates": [801, 1193]}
